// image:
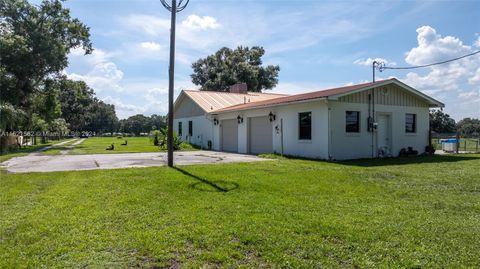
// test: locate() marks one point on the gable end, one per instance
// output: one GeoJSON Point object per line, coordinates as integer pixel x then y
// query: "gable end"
{"type": "Point", "coordinates": [390, 94]}
{"type": "Point", "coordinates": [186, 108]}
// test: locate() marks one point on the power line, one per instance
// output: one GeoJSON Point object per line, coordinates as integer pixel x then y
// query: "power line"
{"type": "Point", "coordinates": [381, 66]}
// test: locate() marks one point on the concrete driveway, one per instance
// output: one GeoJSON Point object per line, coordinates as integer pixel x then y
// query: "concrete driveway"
{"type": "Point", "coordinates": [124, 160]}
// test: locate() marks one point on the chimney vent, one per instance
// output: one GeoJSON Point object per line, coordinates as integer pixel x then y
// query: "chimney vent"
{"type": "Point", "coordinates": [238, 88]}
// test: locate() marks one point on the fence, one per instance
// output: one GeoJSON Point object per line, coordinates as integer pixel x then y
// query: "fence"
{"type": "Point", "coordinates": [465, 144]}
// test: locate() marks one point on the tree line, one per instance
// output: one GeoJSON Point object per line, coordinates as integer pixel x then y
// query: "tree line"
{"type": "Point", "coordinates": [441, 123]}
{"type": "Point", "coordinates": [35, 95]}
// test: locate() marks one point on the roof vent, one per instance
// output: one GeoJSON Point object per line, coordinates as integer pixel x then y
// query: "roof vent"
{"type": "Point", "coordinates": [238, 88]}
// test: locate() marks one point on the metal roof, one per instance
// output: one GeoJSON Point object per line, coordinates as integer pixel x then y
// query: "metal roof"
{"type": "Point", "coordinates": [212, 101]}
{"type": "Point", "coordinates": [335, 92]}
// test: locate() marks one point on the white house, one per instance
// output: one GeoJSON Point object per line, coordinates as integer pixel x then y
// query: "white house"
{"type": "Point", "coordinates": [358, 121]}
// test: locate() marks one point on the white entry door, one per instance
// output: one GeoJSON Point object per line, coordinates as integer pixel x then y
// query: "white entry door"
{"type": "Point", "coordinates": [384, 134]}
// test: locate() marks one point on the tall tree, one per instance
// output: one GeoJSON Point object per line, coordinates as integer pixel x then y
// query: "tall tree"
{"type": "Point", "coordinates": [46, 103]}
{"type": "Point", "coordinates": [228, 67]}
{"type": "Point", "coordinates": [34, 44]}
{"type": "Point", "coordinates": [441, 122]}
{"type": "Point", "coordinates": [76, 99]}
{"type": "Point", "coordinates": [136, 124]}
{"type": "Point", "coordinates": [158, 122]}
{"type": "Point", "coordinates": [469, 127]}
{"type": "Point", "coordinates": [101, 117]}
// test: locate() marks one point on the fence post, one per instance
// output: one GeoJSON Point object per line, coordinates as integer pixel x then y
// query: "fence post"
{"type": "Point", "coordinates": [458, 142]}
{"type": "Point", "coordinates": [465, 143]}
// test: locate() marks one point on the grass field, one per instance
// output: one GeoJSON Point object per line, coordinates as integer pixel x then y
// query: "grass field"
{"type": "Point", "coordinates": [56, 150]}
{"type": "Point", "coordinates": [27, 149]}
{"type": "Point", "coordinates": [408, 212]}
{"type": "Point", "coordinates": [94, 145]}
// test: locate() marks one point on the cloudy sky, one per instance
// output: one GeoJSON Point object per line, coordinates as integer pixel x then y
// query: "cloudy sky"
{"type": "Point", "coordinates": [318, 44]}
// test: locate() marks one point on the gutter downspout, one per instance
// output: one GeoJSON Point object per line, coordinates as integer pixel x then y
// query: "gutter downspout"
{"type": "Point", "coordinates": [281, 135]}
{"type": "Point", "coordinates": [329, 137]}
{"type": "Point", "coordinates": [373, 122]}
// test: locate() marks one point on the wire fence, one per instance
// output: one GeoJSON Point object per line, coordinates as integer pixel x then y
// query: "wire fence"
{"type": "Point", "coordinates": [465, 143]}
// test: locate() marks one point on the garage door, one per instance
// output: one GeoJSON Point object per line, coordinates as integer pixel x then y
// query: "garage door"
{"type": "Point", "coordinates": [230, 135]}
{"type": "Point", "coordinates": [260, 135]}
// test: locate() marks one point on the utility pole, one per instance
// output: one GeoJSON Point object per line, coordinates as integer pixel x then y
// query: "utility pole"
{"type": "Point", "coordinates": [173, 8]}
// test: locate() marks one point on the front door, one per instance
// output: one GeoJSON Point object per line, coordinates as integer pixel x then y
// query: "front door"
{"type": "Point", "coordinates": [384, 135]}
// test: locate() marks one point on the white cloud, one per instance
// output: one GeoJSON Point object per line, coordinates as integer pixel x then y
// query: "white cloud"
{"type": "Point", "coordinates": [203, 23]}
{"type": "Point", "coordinates": [432, 47]}
{"type": "Point", "coordinates": [369, 61]}
{"type": "Point", "coordinates": [193, 33]}
{"type": "Point", "coordinates": [457, 83]}
{"type": "Point", "coordinates": [144, 97]}
{"type": "Point", "coordinates": [120, 105]}
{"type": "Point", "coordinates": [100, 73]}
{"type": "Point", "coordinates": [150, 46]}
{"type": "Point", "coordinates": [150, 25]}
{"type": "Point", "coordinates": [477, 43]}
{"type": "Point", "coordinates": [476, 78]}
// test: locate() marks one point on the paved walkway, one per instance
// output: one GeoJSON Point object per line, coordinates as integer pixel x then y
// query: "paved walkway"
{"type": "Point", "coordinates": [109, 161]}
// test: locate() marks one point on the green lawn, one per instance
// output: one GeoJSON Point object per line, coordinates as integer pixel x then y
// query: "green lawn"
{"type": "Point", "coordinates": [27, 149]}
{"type": "Point", "coordinates": [94, 145]}
{"type": "Point", "coordinates": [408, 212]}
{"type": "Point", "coordinates": [56, 150]}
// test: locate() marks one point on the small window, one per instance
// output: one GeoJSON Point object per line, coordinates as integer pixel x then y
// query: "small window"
{"type": "Point", "coordinates": [352, 121]}
{"type": "Point", "coordinates": [410, 123]}
{"type": "Point", "coordinates": [190, 128]}
{"type": "Point", "coordinates": [305, 126]}
{"type": "Point", "coordinates": [179, 128]}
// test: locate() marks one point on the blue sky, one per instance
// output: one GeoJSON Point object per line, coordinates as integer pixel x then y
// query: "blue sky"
{"type": "Point", "coordinates": [318, 44]}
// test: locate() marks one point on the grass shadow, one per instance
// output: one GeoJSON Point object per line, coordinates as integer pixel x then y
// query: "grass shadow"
{"type": "Point", "coordinates": [368, 162]}
{"type": "Point", "coordinates": [209, 185]}
{"type": "Point", "coordinates": [410, 160]}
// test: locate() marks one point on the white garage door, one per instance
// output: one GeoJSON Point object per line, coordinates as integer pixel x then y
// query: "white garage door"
{"type": "Point", "coordinates": [230, 135]}
{"type": "Point", "coordinates": [260, 135]}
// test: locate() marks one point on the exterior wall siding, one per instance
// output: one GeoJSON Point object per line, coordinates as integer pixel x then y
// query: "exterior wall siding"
{"type": "Point", "coordinates": [317, 147]}
{"type": "Point", "coordinates": [202, 130]}
{"type": "Point", "coordinates": [359, 145]}
{"type": "Point", "coordinates": [187, 108]}
{"type": "Point", "coordinates": [392, 95]}
{"type": "Point", "coordinates": [329, 137]}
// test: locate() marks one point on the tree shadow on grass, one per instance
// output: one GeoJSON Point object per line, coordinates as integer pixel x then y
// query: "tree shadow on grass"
{"type": "Point", "coordinates": [410, 160]}
{"type": "Point", "coordinates": [209, 185]}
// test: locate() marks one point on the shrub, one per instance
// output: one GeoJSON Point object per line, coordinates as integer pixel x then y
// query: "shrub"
{"type": "Point", "coordinates": [164, 140]}
{"type": "Point", "coordinates": [155, 137]}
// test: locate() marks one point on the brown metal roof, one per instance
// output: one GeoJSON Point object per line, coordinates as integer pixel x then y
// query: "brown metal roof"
{"type": "Point", "coordinates": [302, 97]}
{"type": "Point", "coordinates": [211, 101]}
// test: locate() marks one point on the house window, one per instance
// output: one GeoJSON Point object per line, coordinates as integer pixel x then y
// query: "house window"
{"type": "Point", "coordinates": [305, 126]}
{"type": "Point", "coordinates": [352, 121]}
{"type": "Point", "coordinates": [190, 128]}
{"type": "Point", "coordinates": [410, 123]}
{"type": "Point", "coordinates": [179, 128]}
